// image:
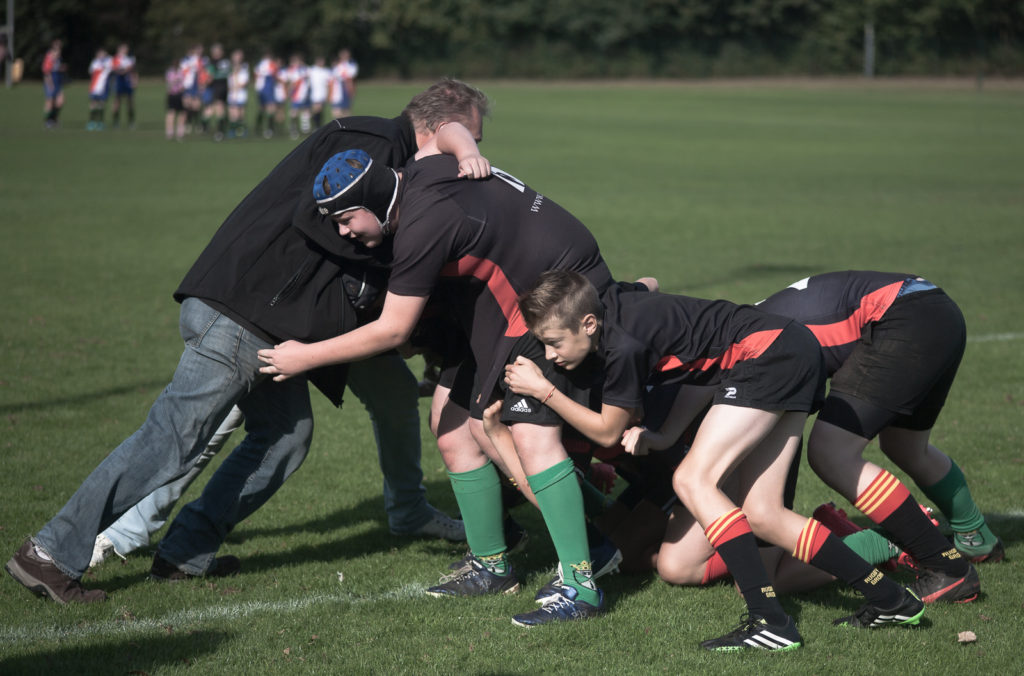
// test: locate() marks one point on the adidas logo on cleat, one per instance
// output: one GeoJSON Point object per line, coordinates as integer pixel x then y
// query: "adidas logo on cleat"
{"type": "Point", "coordinates": [521, 406]}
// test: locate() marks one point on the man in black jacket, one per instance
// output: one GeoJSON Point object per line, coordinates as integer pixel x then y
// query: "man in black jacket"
{"type": "Point", "coordinates": [275, 270]}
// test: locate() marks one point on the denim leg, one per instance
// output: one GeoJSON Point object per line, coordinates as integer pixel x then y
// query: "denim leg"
{"type": "Point", "coordinates": [209, 380]}
{"type": "Point", "coordinates": [133, 529]}
{"type": "Point", "coordinates": [390, 393]}
{"type": "Point", "coordinates": [279, 426]}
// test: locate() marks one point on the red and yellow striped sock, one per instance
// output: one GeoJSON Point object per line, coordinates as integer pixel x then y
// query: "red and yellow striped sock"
{"type": "Point", "coordinates": [887, 502]}
{"type": "Point", "coordinates": [733, 540]}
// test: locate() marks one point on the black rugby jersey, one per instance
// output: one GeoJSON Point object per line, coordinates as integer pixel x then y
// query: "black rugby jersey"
{"type": "Point", "coordinates": [493, 238]}
{"type": "Point", "coordinates": [664, 337]}
{"type": "Point", "coordinates": [836, 306]}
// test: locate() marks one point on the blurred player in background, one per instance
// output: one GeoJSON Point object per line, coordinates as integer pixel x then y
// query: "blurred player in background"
{"type": "Point", "coordinates": [319, 89]}
{"type": "Point", "coordinates": [191, 67]}
{"type": "Point", "coordinates": [269, 94]}
{"type": "Point", "coordinates": [343, 84]}
{"type": "Point", "coordinates": [238, 94]}
{"type": "Point", "coordinates": [218, 69]}
{"type": "Point", "coordinates": [53, 83]}
{"type": "Point", "coordinates": [296, 79]}
{"type": "Point", "coordinates": [99, 80]}
{"type": "Point", "coordinates": [125, 80]}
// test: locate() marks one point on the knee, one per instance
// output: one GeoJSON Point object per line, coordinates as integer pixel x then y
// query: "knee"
{"type": "Point", "coordinates": [760, 516]}
{"type": "Point", "coordinates": [686, 486]}
{"type": "Point", "coordinates": [682, 573]}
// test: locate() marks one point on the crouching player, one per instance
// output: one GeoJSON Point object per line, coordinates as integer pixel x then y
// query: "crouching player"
{"type": "Point", "coordinates": [892, 344]}
{"type": "Point", "coordinates": [655, 531]}
{"type": "Point", "coordinates": [768, 375]}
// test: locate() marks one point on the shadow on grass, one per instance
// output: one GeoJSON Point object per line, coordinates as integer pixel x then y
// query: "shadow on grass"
{"type": "Point", "coordinates": [140, 655]}
{"type": "Point", "coordinates": [376, 540]}
{"type": "Point", "coordinates": [133, 388]}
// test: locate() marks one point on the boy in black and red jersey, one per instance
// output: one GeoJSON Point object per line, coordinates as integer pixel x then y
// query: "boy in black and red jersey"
{"type": "Point", "coordinates": [768, 375]}
{"type": "Point", "coordinates": [892, 344]}
{"type": "Point", "coordinates": [488, 240]}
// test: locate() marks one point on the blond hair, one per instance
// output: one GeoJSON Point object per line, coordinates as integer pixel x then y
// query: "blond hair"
{"type": "Point", "coordinates": [446, 100]}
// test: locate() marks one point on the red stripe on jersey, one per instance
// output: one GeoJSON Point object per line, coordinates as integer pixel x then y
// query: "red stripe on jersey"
{"type": "Point", "coordinates": [810, 541]}
{"type": "Point", "coordinates": [872, 307]}
{"type": "Point", "coordinates": [881, 498]}
{"type": "Point", "coordinates": [750, 347]}
{"type": "Point", "coordinates": [727, 527]}
{"type": "Point", "coordinates": [491, 274]}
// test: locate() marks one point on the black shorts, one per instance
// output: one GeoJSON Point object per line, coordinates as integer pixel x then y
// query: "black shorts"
{"type": "Point", "coordinates": [175, 103]}
{"type": "Point", "coordinates": [219, 90]}
{"type": "Point", "coordinates": [788, 376]}
{"type": "Point", "coordinates": [582, 385]}
{"type": "Point", "coordinates": [905, 362]}
{"type": "Point", "coordinates": [459, 379]}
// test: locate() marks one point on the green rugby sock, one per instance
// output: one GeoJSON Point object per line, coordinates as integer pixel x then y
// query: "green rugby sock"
{"type": "Point", "coordinates": [594, 501]}
{"type": "Point", "coordinates": [497, 563]}
{"type": "Point", "coordinates": [478, 493]}
{"type": "Point", "coordinates": [871, 546]}
{"type": "Point", "coordinates": [953, 498]}
{"type": "Point", "coordinates": [561, 505]}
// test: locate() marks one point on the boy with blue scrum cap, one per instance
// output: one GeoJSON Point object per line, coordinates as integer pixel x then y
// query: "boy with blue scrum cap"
{"type": "Point", "coordinates": [485, 241]}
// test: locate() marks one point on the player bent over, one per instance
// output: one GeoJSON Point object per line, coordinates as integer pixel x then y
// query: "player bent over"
{"type": "Point", "coordinates": [290, 285]}
{"type": "Point", "coordinates": [768, 375]}
{"type": "Point", "coordinates": [655, 531]}
{"type": "Point", "coordinates": [491, 239]}
{"type": "Point", "coordinates": [892, 344]}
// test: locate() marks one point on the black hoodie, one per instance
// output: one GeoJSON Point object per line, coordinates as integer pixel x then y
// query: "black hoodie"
{"type": "Point", "coordinates": [277, 266]}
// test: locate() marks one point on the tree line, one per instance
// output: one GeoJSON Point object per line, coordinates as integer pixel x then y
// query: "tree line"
{"type": "Point", "coordinates": [551, 38]}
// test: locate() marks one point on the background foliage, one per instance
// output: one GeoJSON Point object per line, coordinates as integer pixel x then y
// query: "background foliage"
{"type": "Point", "coordinates": [552, 38]}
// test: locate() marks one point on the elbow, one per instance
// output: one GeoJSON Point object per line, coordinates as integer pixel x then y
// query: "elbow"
{"type": "Point", "coordinates": [607, 438]}
{"type": "Point", "coordinates": [394, 339]}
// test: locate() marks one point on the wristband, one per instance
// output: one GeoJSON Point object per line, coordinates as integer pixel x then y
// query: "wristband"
{"type": "Point", "coordinates": [545, 399]}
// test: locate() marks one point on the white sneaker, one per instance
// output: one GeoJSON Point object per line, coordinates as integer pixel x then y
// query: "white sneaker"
{"type": "Point", "coordinates": [440, 525]}
{"type": "Point", "coordinates": [101, 550]}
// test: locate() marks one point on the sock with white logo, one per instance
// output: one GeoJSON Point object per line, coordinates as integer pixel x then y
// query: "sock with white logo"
{"type": "Point", "coordinates": [561, 505]}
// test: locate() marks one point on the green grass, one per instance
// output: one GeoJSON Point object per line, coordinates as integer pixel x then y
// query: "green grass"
{"type": "Point", "coordinates": [719, 190]}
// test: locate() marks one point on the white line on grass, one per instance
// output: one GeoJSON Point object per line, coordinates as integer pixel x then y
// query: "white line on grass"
{"type": "Point", "coordinates": [994, 337]}
{"type": "Point", "coordinates": [190, 617]}
{"type": "Point", "coordinates": [236, 611]}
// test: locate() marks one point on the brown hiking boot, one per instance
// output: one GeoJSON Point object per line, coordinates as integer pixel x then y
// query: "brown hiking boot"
{"type": "Point", "coordinates": [46, 579]}
{"type": "Point", "coordinates": [163, 570]}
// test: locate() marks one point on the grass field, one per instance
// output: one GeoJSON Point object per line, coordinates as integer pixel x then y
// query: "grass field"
{"type": "Point", "coordinates": [720, 190]}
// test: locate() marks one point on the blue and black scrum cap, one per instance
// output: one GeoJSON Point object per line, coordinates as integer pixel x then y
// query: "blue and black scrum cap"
{"type": "Point", "coordinates": [352, 180]}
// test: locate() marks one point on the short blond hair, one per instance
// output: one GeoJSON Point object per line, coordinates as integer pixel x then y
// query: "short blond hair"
{"type": "Point", "coordinates": [447, 100]}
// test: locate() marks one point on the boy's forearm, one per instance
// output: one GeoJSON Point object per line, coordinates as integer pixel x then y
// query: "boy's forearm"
{"type": "Point", "coordinates": [596, 426]}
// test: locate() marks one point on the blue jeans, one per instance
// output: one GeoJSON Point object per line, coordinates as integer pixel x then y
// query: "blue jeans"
{"type": "Point", "coordinates": [250, 474]}
{"type": "Point", "coordinates": [218, 369]}
{"type": "Point", "coordinates": [390, 393]}
{"type": "Point", "coordinates": [133, 529]}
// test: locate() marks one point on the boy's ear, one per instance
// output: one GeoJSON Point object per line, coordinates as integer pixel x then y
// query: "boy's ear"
{"type": "Point", "coordinates": [589, 324]}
